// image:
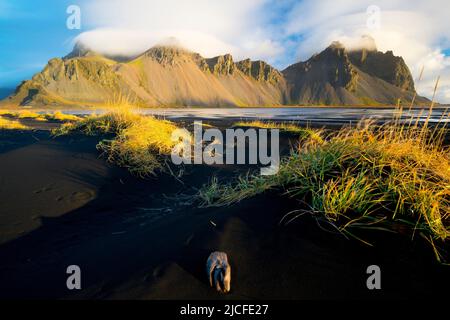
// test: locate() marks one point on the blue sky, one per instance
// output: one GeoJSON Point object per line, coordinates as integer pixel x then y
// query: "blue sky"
{"type": "Point", "coordinates": [278, 31]}
{"type": "Point", "coordinates": [31, 33]}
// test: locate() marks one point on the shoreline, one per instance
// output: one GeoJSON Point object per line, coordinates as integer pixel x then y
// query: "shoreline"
{"type": "Point", "coordinates": [6, 106]}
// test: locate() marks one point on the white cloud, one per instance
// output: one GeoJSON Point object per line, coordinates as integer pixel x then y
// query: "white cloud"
{"type": "Point", "coordinates": [209, 27]}
{"type": "Point", "coordinates": [131, 42]}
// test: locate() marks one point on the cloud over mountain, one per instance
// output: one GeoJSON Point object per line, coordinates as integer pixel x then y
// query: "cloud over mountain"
{"type": "Point", "coordinates": [208, 27]}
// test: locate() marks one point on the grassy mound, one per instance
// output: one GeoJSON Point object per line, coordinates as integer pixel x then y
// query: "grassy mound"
{"type": "Point", "coordinates": [7, 124]}
{"type": "Point", "coordinates": [302, 132]}
{"type": "Point", "coordinates": [139, 144]}
{"type": "Point", "coordinates": [392, 177]}
{"type": "Point", "coordinates": [27, 114]}
{"type": "Point", "coordinates": [63, 117]}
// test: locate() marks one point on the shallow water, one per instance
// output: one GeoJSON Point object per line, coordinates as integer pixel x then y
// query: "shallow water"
{"type": "Point", "coordinates": [310, 114]}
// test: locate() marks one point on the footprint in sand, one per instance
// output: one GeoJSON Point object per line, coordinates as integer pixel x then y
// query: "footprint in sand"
{"type": "Point", "coordinates": [82, 195]}
{"type": "Point", "coordinates": [158, 272]}
{"type": "Point", "coordinates": [44, 189]}
{"type": "Point", "coordinates": [188, 241]}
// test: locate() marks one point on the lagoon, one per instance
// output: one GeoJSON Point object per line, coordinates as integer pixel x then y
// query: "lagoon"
{"type": "Point", "coordinates": [301, 114]}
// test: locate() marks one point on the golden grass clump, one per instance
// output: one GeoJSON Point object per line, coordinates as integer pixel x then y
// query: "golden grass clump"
{"type": "Point", "coordinates": [59, 116]}
{"type": "Point", "coordinates": [390, 177]}
{"type": "Point", "coordinates": [111, 122]}
{"type": "Point", "coordinates": [7, 124]}
{"type": "Point", "coordinates": [28, 114]}
{"type": "Point", "coordinates": [139, 142]}
{"type": "Point", "coordinates": [139, 147]}
{"type": "Point", "coordinates": [24, 114]}
{"type": "Point", "coordinates": [302, 132]}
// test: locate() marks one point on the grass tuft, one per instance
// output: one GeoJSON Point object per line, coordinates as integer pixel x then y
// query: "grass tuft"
{"type": "Point", "coordinates": [140, 146]}
{"type": "Point", "coordinates": [112, 122]}
{"type": "Point", "coordinates": [391, 177]}
{"type": "Point", "coordinates": [140, 143]}
{"type": "Point", "coordinates": [7, 124]}
{"type": "Point", "coordinates": [302, 132]}
{"type": "Point", "coordinates": [27, 114]}
{"type": "Point", "coordinates": [63, 117]}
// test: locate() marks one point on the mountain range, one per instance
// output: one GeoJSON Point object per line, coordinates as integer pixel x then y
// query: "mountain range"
{"type": "Point", "coordinates": [171, 76]}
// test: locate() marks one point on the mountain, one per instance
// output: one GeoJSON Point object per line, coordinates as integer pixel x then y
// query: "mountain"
{"type": "Point", "coordinates": [385, 66]}
{"type": "Point", "coordinates": [338, 76]}
{"type": "Point", "coordinates": [172, 76]}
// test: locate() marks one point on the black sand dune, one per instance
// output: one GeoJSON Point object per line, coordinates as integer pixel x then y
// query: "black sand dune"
{"type": "Point", "coordinates": [141, 239]}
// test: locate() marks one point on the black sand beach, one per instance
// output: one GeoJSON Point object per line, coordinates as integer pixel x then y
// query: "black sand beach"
{"type": "Point", "coordinates": [62, 204]}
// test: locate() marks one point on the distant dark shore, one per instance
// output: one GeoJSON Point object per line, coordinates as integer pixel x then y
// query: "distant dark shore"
{"type": "Point", "coordinates": [62, 204]}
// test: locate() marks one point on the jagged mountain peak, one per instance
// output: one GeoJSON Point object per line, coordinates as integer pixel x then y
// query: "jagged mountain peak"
{"type": "Point", "coordinates": [385, 66]}
{"type": "Point", "coordinates": [80, 50]}
{"type": "Point", "coordinates": [221, 65]}
{"type": "Point", "coordinates": [167, 54]}
{"type": "Point", "coordinates": [167, 50]}
{"type": "Point", "coordinates": [364, 44]}
{"type": "Point", "coordinates": [367, 43]}
{"type": "Point", "coordinates": [335, 45]}
{"type": "Point", "coordinates": [260, 71]}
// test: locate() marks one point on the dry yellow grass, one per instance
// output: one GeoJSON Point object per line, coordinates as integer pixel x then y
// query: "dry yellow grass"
{"type": "Point", "coordinates": [7, 124]}
{"type": "Point", "coordinates": [111, 122]}
{"type": "Point", "coordinates": [139, 146]}
{"type": "Point", "coordinates": [28, 114]}
{"type": "Point", "coordinates": [23, 114]}
{"type": "Point", "coordinates": [302, 132]}
{"type": "Point", "coordinates": [59, 116]}
{"type": "Point", "coordinates": [139, 143]}
{"type": "Point", "coordinates": [369, 177]}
